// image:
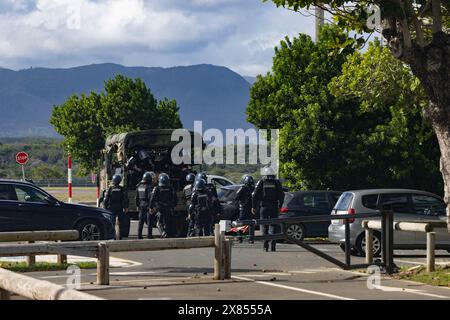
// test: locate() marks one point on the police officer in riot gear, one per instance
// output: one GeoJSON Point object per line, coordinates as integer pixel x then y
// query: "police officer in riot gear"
{"type": "Point", "coordinates": [187, 192]}
{"type": "Point", "coordinates": [143, 194]}
{"type": "Point", "coordinates": [269, 196]}
{"type": "Point", "coordinates": [163, 201]}
{"type": "Point", "coordinates": [201, 208]}
{"type": "Point", "coordinates": [116, 201]}
{"type": "Point", "coordinates": [244, 197]}
{"type": "Point", "coordinates": [215, 207]}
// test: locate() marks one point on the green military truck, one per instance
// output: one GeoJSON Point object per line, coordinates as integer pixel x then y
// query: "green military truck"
{"type": "Point", "coordinates": [131, 154]}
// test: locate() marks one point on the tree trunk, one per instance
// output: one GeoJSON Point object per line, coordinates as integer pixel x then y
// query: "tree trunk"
{"type": "Point", "coordinates": [443, 136]}
{"type": "Point", "coordinates": [432, 66]}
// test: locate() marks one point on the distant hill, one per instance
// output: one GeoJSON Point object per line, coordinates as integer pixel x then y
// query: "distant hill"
{"type": "Point", "coordinates": [214, 94]}
{"type": "Point", "coordinates": [250, 79]}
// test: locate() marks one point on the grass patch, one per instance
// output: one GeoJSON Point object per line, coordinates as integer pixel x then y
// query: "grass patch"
{"type": "Point", "coordinates": [440, 277]}
{"type": "Point", "coordinates": [80, 194]}
{"type": "Point", "coordinates": [44, 266]}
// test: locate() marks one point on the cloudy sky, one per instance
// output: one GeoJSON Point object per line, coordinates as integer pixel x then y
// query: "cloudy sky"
{"type": "Point", "coordinates": [239, 34]}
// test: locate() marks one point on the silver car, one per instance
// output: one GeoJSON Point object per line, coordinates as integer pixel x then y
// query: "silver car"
{"type": "Point", "coordinates": [407, 205]}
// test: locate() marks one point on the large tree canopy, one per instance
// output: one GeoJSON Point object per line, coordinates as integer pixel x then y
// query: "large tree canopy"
{"type": "Point", "coordinates": [125, 105]}
{"type": "Point", "coordinates": [354, 138]}
{"type": "Point", "coordinates": [417, 33]}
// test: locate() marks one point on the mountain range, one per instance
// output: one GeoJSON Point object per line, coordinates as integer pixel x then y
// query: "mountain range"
{"type": "Point", "coordinates": [214, 94]}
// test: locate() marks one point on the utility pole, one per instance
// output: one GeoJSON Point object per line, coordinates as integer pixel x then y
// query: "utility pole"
{"type": "Point", "coordinates": [320, 20]}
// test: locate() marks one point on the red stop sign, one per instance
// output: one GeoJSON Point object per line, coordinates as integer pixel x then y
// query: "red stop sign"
{"type": "Point", "coordinates": [22, 158]}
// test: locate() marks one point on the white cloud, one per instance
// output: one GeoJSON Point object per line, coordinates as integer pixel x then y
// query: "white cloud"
{"type": "Point", "coordinates": [239, 34]}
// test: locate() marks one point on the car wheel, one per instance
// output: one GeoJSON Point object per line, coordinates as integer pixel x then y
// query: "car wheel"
{"type": "Point", "coordinates": [296, 232]}
{"type": "Point", "coordinates": [361, 244]}
{"type": "Point", "coordinates": [90, 230]}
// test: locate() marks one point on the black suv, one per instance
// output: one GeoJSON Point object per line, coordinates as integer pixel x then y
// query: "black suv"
{"type": "Point", "coordinates": [25, 207]}
{"type": "Point", "coordinates": [308, 203]}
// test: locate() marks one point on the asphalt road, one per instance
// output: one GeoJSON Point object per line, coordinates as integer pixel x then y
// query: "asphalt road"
{"type": "Point", "coordinates": [290, 273]}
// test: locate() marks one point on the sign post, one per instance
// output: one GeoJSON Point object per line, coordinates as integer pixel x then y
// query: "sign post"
{"type": "Point", "coordinates": [22, 159]}
{"type": "Point", "coordinates": [69, 176]}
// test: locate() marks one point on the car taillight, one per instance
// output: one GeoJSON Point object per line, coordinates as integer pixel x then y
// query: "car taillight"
{"type": "Point", "coordinates": [351, 211]}
{"type": "Point", "coordinates": [283, 210]}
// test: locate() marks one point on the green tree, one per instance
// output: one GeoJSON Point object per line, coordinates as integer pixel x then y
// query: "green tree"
{"type": "Point", "coordinates": [45, 172]}
{"type": "Point", "coordinates": [341, 142]}
{"type": "Point", "coordinates": [417, 33]}
{"type": "Point", "coordinates": [125, 105]}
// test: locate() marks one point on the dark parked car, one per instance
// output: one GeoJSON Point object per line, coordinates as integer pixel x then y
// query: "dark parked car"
{"type": "Point", "coordinates": [227, 198]}
{"type": "Point", "coordinates": [308, 203]}
{"type": "Point", "coordinates": [26, 207]}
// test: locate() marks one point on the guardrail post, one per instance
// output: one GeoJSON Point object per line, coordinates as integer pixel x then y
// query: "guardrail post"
{"type": "Point", "coordinates": [347, 243]}
{"type": "Point", "coordinates": [227, 258]}
{"type": "Point", "coordinates": [218, 253]}
{"type": "Point", "coordinates": [387, 238]}
{"type": "Point", "coordinates": [103, 264]}
{"type": "Point", "coordinates": [369, 245]}
{"type": "Point", "coordinates": [31, 259]}
{"type": "Point", "coordinates": [5, 295]}
{"type": "Point", "coordinates": [384, 238]}
{"type": "Point", "coordinates": [431, 240]}
{"type": "Point", "coordinates": [61, 258]}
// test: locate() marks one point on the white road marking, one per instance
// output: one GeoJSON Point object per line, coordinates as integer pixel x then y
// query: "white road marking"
{"type": "Point", "coordinates": [56, 277]}
{"type": "Point", "coordinates": [136, 273]}
{"type": "Point", "coordinates": [406, 290]}
{"type": "Point", "coordinates": [323, 294]}
{"type": "Point", "coordinates": [443, 263]}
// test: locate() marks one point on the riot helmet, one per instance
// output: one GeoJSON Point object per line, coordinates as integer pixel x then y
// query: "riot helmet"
{"type": "Point", "coordinates": [248, 180]}
{"type": "Point", "coordinates": [268, 173]}
{"type": "Point", "coordinates": [200, 184]}
{"type": "Point", "coordinates": [190, 178]}
{"type": "Point", "coordinates": [164, 180]}
{"type": "Point", "coordinates": [147, 177]}
{"type": "Point", "coordinates": [116, 179]}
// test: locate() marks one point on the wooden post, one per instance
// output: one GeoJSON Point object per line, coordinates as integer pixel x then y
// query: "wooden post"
{"type": "Point", "coordinates": [5, 295]}
{"type": "Point", "coordinates": [218, 253]}
{"type": "Point", "coordinates": [228, 244]}
{"type": "Point", "coordinates": [61, 258]}
{"type": "Point", "coordinates": [369, 246]}
{"type": "Point", "coordinates": [103, 264]}
{"type": "Point", "coordinates": [431, 240]}
{"type": "Point", "coordinates": [31, 259]}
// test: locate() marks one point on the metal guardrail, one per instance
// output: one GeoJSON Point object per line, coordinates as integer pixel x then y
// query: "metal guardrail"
{"type": "Point", "coordinates": [14, 283]}
{"type": "Point", "coordinates": [387, 236]}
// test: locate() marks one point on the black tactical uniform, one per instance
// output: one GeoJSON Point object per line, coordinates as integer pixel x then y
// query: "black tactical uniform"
{"type": "Point", "coordinates": [269, 195]}
{"type": "Point", "coordinates": [244, 198]}
{"type": "Point", "coordinates": [201, 209]}
{"type": "Point", "coordinates": [163, 200]}
{"type": "Point", "coordinates": [143, 194]}
{"type": "Point", "coordinates": [116, 201]}
{"type": "Point", "coordinates": [187, 193]}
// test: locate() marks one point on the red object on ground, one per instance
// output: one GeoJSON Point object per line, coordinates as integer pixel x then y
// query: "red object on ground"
{"type": "Point", "coordinates": [22, 158]}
